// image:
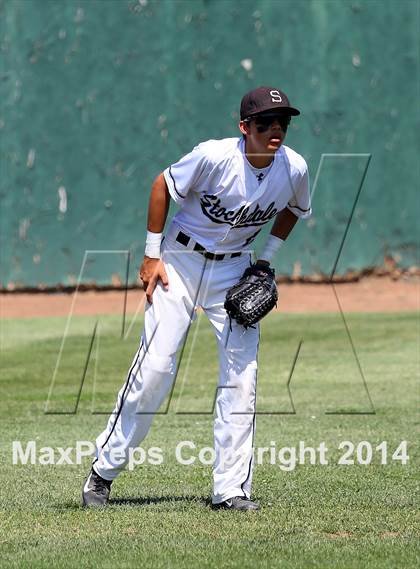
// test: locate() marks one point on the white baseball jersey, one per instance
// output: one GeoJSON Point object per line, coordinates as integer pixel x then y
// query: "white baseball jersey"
{"type": "Point", "coordinates": [225, 201]}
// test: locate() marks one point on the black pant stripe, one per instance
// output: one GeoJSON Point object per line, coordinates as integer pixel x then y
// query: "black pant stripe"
{"type": "Point", "coordinates": [127, 384]}
{"type": "Point", "coordinates": [253, 422]}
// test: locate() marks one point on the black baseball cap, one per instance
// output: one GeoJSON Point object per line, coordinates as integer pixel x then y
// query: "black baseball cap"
{"type": "Point", "coordinates": [266, 99]}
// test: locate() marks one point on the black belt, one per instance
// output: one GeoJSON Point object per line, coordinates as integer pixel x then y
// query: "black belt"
{"type": "Point", "coordinates": [184, 240]}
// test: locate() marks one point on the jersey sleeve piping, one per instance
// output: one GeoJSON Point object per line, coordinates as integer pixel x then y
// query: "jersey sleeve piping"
{"type": "Point", "coordinates": [289, 205]}
{"type": "Point", "coordinates": [173, 181]}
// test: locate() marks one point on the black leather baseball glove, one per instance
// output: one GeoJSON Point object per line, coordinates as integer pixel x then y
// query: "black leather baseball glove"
{"type": "Point", "coordinates": [253, 296]}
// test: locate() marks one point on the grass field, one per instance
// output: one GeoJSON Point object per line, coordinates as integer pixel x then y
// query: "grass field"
{"type": "Point", "coordinates": [341, 516]}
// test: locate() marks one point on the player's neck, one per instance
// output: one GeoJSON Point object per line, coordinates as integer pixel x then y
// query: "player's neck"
{"type": "Point", "coordinates": [255, 157]}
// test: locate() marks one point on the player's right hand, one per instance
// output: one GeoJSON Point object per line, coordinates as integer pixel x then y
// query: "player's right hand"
{"type": "Point", "coordinates": [151, 272]}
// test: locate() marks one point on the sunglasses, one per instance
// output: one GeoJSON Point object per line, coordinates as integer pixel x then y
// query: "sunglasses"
{"type": "Point", "coordinates": [263, 122]}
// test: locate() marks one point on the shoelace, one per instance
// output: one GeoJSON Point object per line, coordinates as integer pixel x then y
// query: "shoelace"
{"type": "Point", "coordinates": [100, 484]}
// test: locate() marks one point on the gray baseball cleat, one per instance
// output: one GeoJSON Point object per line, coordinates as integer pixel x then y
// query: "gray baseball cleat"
{"type": "Point", "coordinates": [96, 490]}
{"type": "Point", "coordinates": [237, 503]}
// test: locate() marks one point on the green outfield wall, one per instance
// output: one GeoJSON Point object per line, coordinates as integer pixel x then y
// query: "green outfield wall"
{"type": "Point", "coordinates": [97, 97]}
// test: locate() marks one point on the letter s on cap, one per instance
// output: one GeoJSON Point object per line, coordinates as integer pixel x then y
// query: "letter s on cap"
{"type": "Point", "coordinates": [275, 96]}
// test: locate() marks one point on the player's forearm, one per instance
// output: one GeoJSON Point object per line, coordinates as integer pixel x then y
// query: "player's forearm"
{"type": "Point", "coordinates": [158, 205]}
{"type": "Point", "coordinates": [283, 224]}
{"type": "Point", "coordinates": [282, 227]}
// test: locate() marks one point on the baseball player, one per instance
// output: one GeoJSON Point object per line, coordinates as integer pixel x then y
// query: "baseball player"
{"type": "Point", "coordinates": [226, 190]}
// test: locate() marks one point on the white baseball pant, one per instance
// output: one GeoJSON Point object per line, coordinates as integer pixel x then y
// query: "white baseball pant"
{"type": "Point", "coordinates": [193, 281]}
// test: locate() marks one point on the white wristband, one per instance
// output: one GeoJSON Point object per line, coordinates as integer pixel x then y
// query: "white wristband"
{"type": "Point", "coordinates": [153, 241]}
{"type": "Point", "coordinates": [272, 245]}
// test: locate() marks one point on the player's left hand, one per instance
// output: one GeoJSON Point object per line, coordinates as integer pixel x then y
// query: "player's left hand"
{"type": "Point", "coordinates": [151, 272]}
{"type": "Point", "coordinates": [253, 296]}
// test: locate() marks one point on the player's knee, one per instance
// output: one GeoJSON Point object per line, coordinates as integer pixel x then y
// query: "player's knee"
{"type": "Point", "coordinates": [160, 364]}
{"type": "Point", "coordinates": [241, 363]}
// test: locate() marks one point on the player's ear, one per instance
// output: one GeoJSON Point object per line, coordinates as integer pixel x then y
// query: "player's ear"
{"type": "Point", "coordinates": [244, 127]}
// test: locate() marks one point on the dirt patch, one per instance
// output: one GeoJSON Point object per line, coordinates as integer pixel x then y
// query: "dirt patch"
{"type": "Point", "coordinates": [339, 535]}
{"type": "Point", "coordinates": [371, 294]}
{"type": "Point", "coordinates": [386, 534]}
